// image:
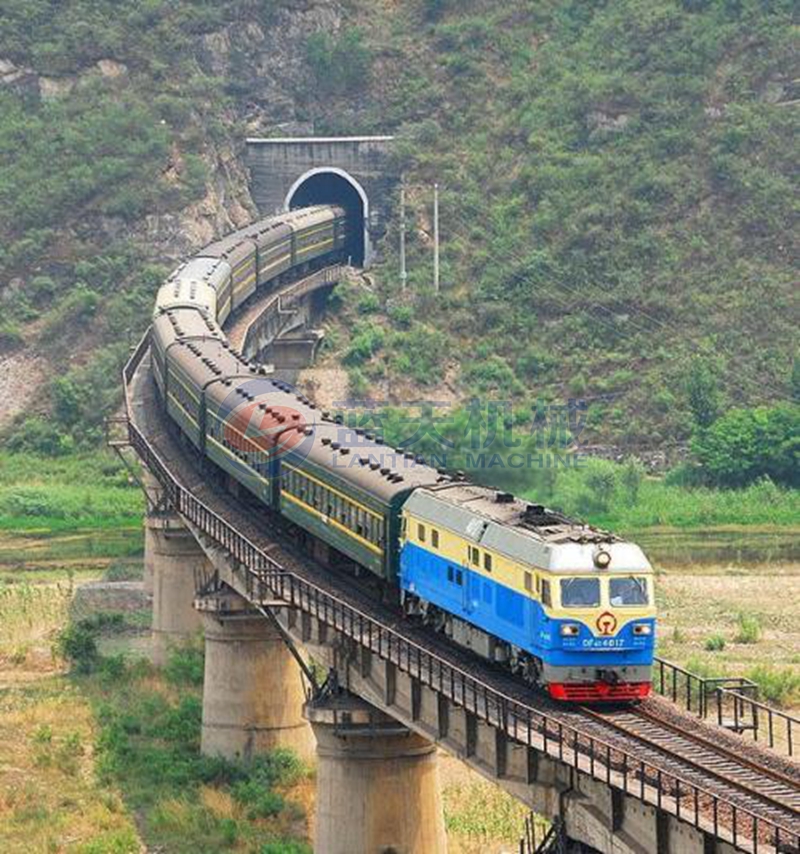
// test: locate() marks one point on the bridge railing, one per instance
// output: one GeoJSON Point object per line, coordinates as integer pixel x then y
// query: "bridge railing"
{"type": "Point", "coordinates": [731, 702]}
{"type": "Point", "coordinates": [253, 336]}
{"type": "Point", "coordinates": [263, 578]}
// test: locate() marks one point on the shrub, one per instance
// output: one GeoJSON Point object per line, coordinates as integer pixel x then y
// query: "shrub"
{"type": "Point", "coordinates": [716, 643]}
{"type": "Point", "coordinates": [77, 643]}
{"type": "Point", "coordinates": [340, 64]}
{"type": "Point", "coordinates": [746, 444]}
{"type": "Point", "coordinates": [367, 340]}
{"type": "Point", "coordinates": [368, 304]}
{"type": "Point", "coordinates": [186, 666]}
{"type": "Point", "coordinates": [10, 334]}
{"type": "Point", "coordinates": [749, 629]}
{"type": "Point", "coordinates": [781, 687]}
{"type": "Point", "coordinates": [260, 802]}
{"type": "Point", "coordinates": [402, 316]}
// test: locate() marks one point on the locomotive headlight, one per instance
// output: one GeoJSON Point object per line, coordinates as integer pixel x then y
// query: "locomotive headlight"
{"type": "Point", "coordinates": [570, 630]}
{"type": "Point", "coordinates": [602, 559]}
{"type": "Point", "coordinates": [642, 629]}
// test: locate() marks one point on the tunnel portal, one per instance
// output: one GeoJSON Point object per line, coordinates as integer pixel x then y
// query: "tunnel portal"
{"type": "Point", "coordinates": [356, 172]}
{"type": "Point", "coordinates": [328, 186]}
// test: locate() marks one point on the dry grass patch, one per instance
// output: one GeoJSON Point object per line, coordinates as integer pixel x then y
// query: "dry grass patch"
{"type": "Point", "coordinates": [480, 818]}
{"type": "Point", "coordinates": [734, 622]}
{"type": "Point", "coordinates": [49, 799]}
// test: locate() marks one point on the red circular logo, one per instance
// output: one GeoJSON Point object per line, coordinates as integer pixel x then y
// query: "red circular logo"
{"type": "Point", "coordinates": [606, 623]}
{"type": "Point", "coordinates": [275, 429]}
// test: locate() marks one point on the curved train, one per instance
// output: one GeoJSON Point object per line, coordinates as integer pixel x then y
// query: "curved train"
{"type": "Point", "coordinates": [566, 605]}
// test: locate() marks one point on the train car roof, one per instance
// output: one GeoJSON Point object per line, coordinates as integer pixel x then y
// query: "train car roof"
{"type": "Point", "coordinates": [370, 465]}
{"type": "Point", "coordinates": [522, 531]}
{"type": "Point", "coordinates": [306, 217]}
{"type": "Point", "coordinates": [180, 292]}
{"type": "Point", "coordinates": [176, 324]}
{"type": "Point", "coordinates": [201, 268]}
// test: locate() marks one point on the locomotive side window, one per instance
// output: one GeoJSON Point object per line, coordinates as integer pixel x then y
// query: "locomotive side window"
{"type": "Point", "coordinates": [474, 556]}
{"type": "Point", "coordinates": [529, 582]}
{"type": "Point", "coordinates": [421, 533]}
{"type": "Point", "coordinates": [547, 598]}
{"type": "Point", "coordinates": [580, 592]}
{"type": "Point", "coordinates": [450, 573]}
{"type": "Point", "coordinates": [487, 561]}
{"type": "Point", "coordinates": [628, 591]}
{"type": "Point", "coordinates": [434, 538]}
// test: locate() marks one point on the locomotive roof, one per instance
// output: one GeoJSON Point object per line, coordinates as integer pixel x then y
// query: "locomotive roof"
{"type": "Point", "coordinates": [523, 531]}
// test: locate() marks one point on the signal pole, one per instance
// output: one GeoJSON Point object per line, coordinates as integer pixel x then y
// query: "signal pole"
{"type": "Point", "coordinates": [436, 238]}
{"type": "Point", "coordinates": [403, 272]}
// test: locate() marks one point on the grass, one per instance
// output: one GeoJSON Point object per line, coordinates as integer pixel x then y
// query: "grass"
{"type": "Point", "coordinates": [149, 747]}
{"type": "Point", "coordinates": [658, 504]}
{"type": "Point", "coordinates": [49, 798]}
{"type": "Point", "coordinates": [704, 627]}
{"type": "Point", "coordinates": [749, 629]}
{"type": "Point", "coordinates": [72, 494]}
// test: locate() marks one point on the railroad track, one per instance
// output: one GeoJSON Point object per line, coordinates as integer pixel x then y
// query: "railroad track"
{"type": "Point", "coordinates": [694, 755]}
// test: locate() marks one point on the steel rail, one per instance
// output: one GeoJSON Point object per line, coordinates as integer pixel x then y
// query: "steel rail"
{"type": "Point", "coordinates": [666, 739]}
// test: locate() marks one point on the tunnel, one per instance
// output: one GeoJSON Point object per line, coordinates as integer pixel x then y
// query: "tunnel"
{"type": "Point", "coordinates": [328, 186]}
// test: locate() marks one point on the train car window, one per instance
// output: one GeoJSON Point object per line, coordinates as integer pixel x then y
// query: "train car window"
{"type": "Point", "coordinates": [628, 591]}
{"type": "Point", "coordinates": [459, 577]}
{"type": "Point", "coordinates": [528, 582]}
{"type": "Point", "coordinates": [547, 598]}
{"type": "Point", "coordinates": [450, 573]}
{"type": "Point", "coordinates": [475, 556]}
{"type": "Point", "coordinates": [434, 538]}
{"type": "Point", "coordinates": [580, 592]}
{"type": "Point", "coordinates": [421, 533]}
{"type": "Point", "coordinates": [487, 562]}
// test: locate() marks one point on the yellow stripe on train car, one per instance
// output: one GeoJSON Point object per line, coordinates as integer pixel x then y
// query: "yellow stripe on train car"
{"type": "Point", "coordinates": [328, 520]}
{"type": "Point", "coordinates": [326, 485]}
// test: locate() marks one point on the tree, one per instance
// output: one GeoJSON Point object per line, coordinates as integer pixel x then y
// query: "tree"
{"type": "Point", "coordinates": [703, 393]}
{"type": "Point", "coordinates": [746, 444]}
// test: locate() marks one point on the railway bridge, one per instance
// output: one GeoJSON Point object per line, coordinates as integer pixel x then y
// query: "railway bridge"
{"type": "Point", "coordinates": [390, 693]}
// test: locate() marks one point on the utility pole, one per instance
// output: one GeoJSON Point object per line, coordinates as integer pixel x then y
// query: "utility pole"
{"type": "Point", "coordinates": [403, 271]}
{"type": "Point", "coordinates": [436, 238]}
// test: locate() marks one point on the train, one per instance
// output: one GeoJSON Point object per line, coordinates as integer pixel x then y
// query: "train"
{"type": "Point", "coordinates": [566, 606]}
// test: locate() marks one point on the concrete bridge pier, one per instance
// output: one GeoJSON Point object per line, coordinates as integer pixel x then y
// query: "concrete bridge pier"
{"type": "Point", "coordinates": [377, 782]}
{"type": "Point", "coordinates": [252, 691]}
{"type": "Point", "coordinates": [172, 556]}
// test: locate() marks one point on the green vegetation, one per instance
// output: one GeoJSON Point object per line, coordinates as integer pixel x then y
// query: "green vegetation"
{"type": "Point", "coordinates": [716, 643]}
{"type": "Point", "coordinates": [73, 493]}
{"type": "Point", "coordinates": [148, 746]}
{"type": "Point", "coordinates": [747, 444]}
{"type": "Point", "coordinates": [616, 200]}
{"type": "Point", "coordinates": [749, 629]}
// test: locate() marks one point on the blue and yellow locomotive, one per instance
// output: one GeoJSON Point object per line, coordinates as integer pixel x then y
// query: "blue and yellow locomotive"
{"type": "Point", "coordinates": [565, 605]}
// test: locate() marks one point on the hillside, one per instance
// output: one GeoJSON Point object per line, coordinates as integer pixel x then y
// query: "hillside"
{"type": "Point", "coordinates": [617, 194]}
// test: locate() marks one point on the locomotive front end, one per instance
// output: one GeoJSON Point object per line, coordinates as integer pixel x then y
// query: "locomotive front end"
{"type": "Point", "coordinates": [600, 631]}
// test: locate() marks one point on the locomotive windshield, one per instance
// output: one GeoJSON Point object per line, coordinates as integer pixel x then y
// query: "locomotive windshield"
{"type": "Point", "coordinates": [580, 592]}
{"type": "Point", "coordinates": [628, 591]}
